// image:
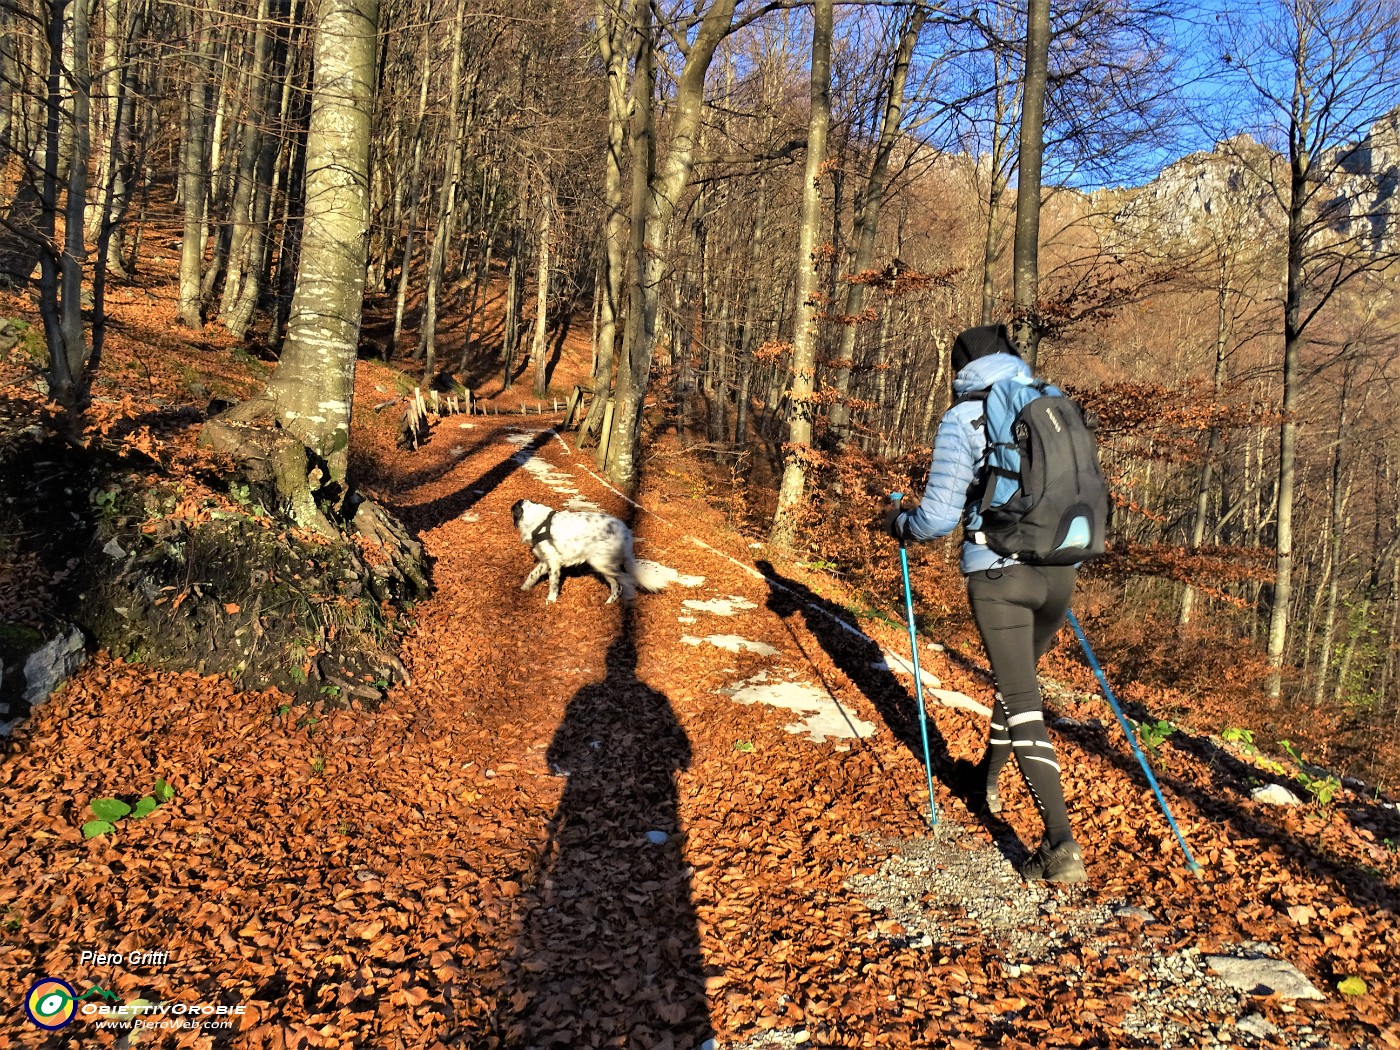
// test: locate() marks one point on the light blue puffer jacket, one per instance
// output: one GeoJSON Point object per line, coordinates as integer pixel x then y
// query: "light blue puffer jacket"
{"type": "Point", "coordinates": [958, 450]}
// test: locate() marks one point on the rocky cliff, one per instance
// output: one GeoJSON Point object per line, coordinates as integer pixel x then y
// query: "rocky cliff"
{"type": "Point", "coordinates": [1240, 188]}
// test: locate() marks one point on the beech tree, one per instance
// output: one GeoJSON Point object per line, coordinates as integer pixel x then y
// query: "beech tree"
{"type": "Point", "coordinates": [801, 402]}
{"type": "Point", "coordinates": [1026, 251]}
{"type": "Point", "coordinates": [656, 192]}
{"type": "Point", "coordinates": [1319, 75]}
{"type": "Point", "coordinates": [299, 427]}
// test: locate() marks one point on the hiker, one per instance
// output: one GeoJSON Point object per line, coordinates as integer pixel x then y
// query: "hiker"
{"type": "Point", "coordinates": [1018, 607]}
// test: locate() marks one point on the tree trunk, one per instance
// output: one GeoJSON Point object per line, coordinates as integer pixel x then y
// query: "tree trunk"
{"type": "Point", "coordinates": [539, 348]}
{"type": "Point", "coordinates": [1203, 481]}
{"type": "Point", "coordinates": [245, 182]}
{"type": "Point", "coordinates": [1336, 538]}
{"type": "Point", "coordinates": [447, 205]}
{"type": "Point", "coordinates": [61, 272]}
{"type": "Point", "coordinates": [867, 221]}
{"type": "Point", "coordinates": [515, 292]}
{"type": "Point", "coordinates": [1026, 251]}
{"type": "Point", "coordinates": [998, 174]}
{"type": "Point", "coordinates": [255, 265]}
{"type": "Point", "coordinates": [292, 176]}
{"type": "Point", "coordinates": [663, 193]}
{"type": "Point", "coordinates": [613, 30]}
{"type": "Point", "coordinates": [194, 169]}
{"type": "Point", "coordinates": [1300, 165]}
{"type": "Point", "coordinates": [801, 403]}
{"type": "Point", "coordinates": [311, 394]}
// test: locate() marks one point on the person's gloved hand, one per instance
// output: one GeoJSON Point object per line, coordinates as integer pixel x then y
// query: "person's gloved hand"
{"type": "Point", "coordinates": [892, 524]}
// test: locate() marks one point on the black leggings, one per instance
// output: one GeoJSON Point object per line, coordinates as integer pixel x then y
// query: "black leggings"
{"type": "Point", "coordinates": [1019, 609]}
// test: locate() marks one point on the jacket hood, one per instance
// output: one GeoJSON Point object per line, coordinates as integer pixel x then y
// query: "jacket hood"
{"type": "Point", "coordinates": [984, 371]}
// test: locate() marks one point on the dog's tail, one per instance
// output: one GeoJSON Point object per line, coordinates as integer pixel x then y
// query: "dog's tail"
{"type": "Point", "coordinates": [648, 575]}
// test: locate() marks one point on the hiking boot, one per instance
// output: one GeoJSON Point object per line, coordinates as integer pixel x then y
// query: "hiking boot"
{"type": "Point", "coordinates": [1062, 863]}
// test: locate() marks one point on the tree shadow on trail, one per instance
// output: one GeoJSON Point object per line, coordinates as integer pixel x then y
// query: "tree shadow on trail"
{"type": "Point", "coordinates": [608, 952]}
{"type": "Point", "coordinates": [862, 661]}
{"type": "Point", "coordinates": [425, 516]}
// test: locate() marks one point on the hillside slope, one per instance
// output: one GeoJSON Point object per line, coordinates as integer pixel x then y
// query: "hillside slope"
{"type": "Point", "coordinates": [583, 826]}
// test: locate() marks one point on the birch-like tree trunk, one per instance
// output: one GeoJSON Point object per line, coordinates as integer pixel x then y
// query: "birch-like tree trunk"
{"type": "Point", "coordinates": [539, 347]}
{"type": "Point", "coordinates": [867, 221]}
{"type": "Point", "coordinates": [61, 270]}
{"type": "Point", "coordinates": [662, 194]}
{"type": "Point", "coordinates": [1025, 252]}
{"type": "Point", "coordinates": [1203, 481]}
{"type": "Point", "coordinates": [314, 384]}
{"type": "Point", "coordinates": [1336, 558]}
{"type": "Point", "coordinates": [239, 317]}
{"type": "Point", "coordinates": [614, 27]}
{"type": "Point", "coordinates": [194, 168]}
{"type": "Point", "coordinates": [447, 205]}
{"type": "Point", "coordinates": [801, 402]}
{"type": "Point", "coordinates": [310, 396]}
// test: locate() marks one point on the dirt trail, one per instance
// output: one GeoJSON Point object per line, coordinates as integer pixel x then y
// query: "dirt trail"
{"type": "Point", "coordinates": [569, 830]}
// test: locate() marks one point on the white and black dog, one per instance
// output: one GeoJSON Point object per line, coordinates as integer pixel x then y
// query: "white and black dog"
{"type": "Point", "coordinates": [562, 538]}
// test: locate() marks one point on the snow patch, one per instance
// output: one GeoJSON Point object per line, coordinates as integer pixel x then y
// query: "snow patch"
{"type": "Point", "coordinates": [720, 606]}
{"type": "Point", "coordinates": [823, 718]}
{"type": "Point", "coordinates": [667, 575]}
{"type": "Point", "coordinates": [545, 473]}
{"type": "Point", "coordinates": [732, 643]}
{"type": "Point", "coordinates": [947, 697]}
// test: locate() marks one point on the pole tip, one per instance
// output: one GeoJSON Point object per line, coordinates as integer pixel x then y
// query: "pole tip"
{"type": "Point", "coordinates": [895, 497]}
{"type": "Point", "coordinates": [1195, 869]}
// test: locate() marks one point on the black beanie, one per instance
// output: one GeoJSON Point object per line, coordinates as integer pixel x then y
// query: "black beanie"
{"type": "Point", "coordinates": [979, 342]}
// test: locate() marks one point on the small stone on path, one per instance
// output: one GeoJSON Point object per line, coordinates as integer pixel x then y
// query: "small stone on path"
{"type": "Point", "coordinates": [1263, 977]}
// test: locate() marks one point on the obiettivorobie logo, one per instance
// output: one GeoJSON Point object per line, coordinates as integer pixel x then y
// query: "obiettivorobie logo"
{"type": "Point", "coordinates": [51, 1003]}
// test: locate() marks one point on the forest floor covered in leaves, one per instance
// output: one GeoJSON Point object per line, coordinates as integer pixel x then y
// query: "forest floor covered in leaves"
{"type": "Point", "coordinates": [582, 825]}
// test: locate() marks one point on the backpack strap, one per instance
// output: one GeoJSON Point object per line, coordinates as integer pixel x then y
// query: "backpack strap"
{"type": "Point", "coordinates": [975, 395]}
{"type": "Point", "coordinates": [990, 474]}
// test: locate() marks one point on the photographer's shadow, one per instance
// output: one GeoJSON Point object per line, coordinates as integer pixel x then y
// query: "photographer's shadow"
{"type": "Point", "coordinates": [609, 949]}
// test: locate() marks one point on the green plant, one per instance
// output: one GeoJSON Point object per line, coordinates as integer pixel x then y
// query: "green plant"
{"type": "Point", "coordinates": [105, 500]}
{"type": "Point", "coordinates": [248, 361]}
{"type": "Point", "coordinates": [1321, 785]}
{"type": "Point", "coordinates": [297, 675]}
{"type": "Point", "coordinates": [1152, 735]}
{"type": "Point", "coordinates": [108, 811]}
{"type": "Point", "coordinates": [744, 747]}
{"type": "Point", "coordinates": [1243, 737]}
{"type": "Point", "coordinates": [318, 765]}
{"type": "Point", "coordinates": [12, 921]}
{"type": "Point", "coordinates": [870, 612]}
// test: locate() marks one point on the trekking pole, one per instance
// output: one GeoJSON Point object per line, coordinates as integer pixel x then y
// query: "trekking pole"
{"type": "Point", "coordinates": [1191, 864]}
{"type": "Point", "coordinates": [896, 497]}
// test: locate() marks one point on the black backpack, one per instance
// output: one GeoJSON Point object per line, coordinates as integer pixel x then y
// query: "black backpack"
{"type": "Point", "coordinates": [1044, 498]}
